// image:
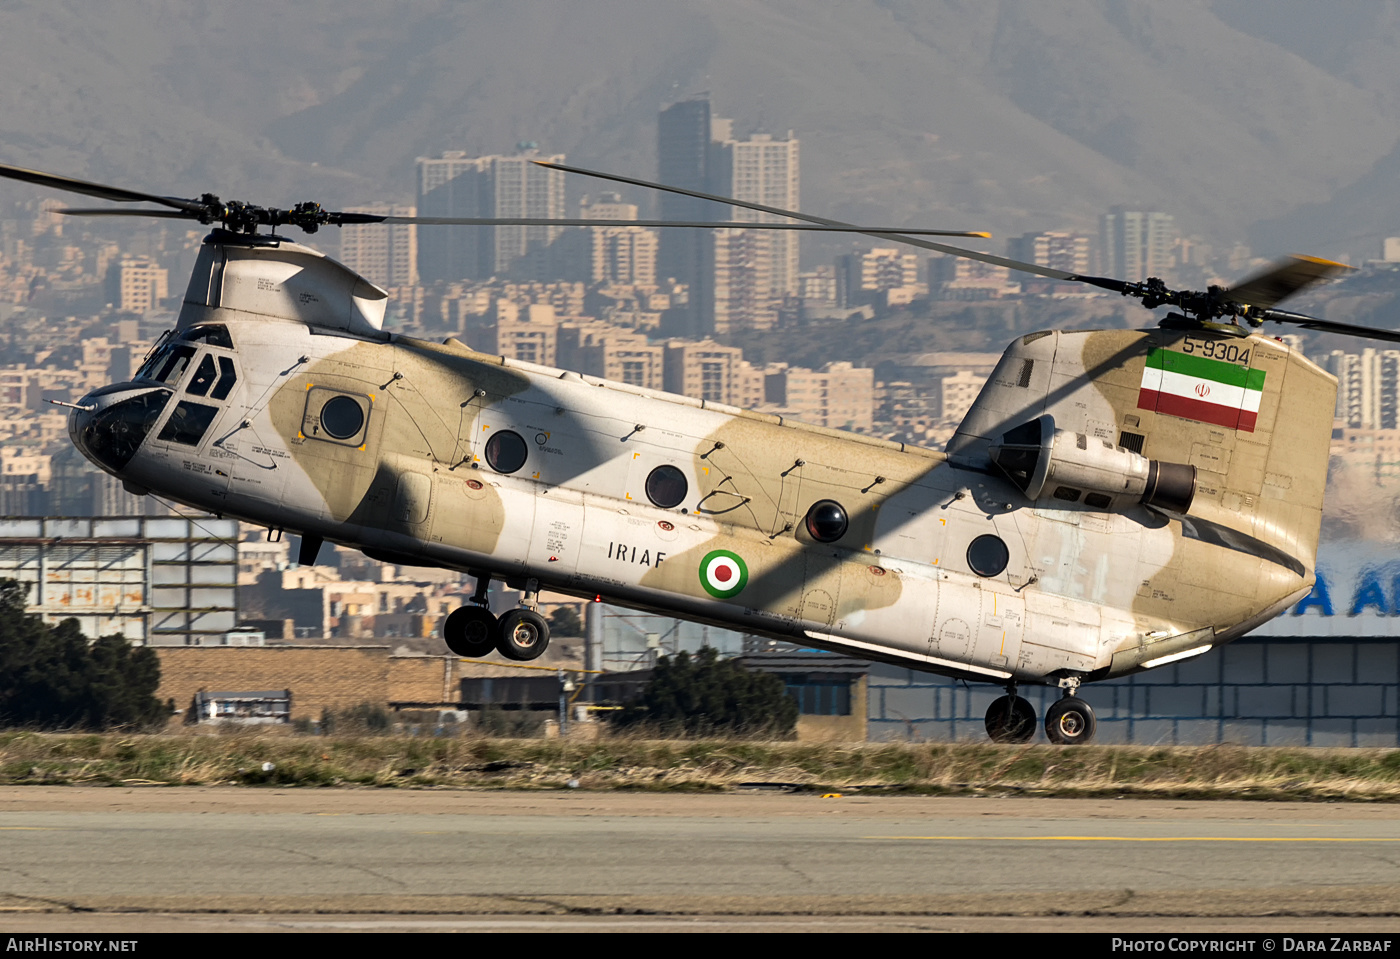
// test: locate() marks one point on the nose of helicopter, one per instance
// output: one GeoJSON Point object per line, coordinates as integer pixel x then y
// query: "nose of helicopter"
{"type": "Point", "coordinates": [109, 424]}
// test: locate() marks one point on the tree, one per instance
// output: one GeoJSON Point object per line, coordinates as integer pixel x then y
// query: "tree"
{"type": "Point", "coordinates": [565, 621]}
{"type": "Point", "coordinates": [703, 695]}
{"type": "Point", "coordinates": [53, 678]}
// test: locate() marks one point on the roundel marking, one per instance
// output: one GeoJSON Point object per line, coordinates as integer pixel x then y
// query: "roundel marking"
{"type": "Point", "coordinates": [723, 574]}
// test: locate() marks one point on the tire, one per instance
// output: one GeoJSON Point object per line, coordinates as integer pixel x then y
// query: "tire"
{"type": "Point", "coordinates": [1011, 719]}
{"type": "Point", "coordinates": [523, 635]}
{"type": "Point", "coordinates": [470, 631]}
{"type": "Point", "coordinates": [1070, 722]}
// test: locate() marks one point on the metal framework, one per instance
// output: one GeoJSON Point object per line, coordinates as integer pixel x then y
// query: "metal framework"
{"type": "Point", "coordinates": [161, 581]}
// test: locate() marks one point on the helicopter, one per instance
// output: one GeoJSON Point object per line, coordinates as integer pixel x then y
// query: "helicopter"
{"type": "Point", "coordinates": [1113, 501]}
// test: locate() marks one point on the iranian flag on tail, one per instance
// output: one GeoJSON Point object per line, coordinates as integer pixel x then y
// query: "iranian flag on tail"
{"type": "Point", "coordinates": [1199, 388]}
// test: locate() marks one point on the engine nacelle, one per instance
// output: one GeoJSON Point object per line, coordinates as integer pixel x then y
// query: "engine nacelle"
{"type": "Point", "coordinates": [1074, 466]}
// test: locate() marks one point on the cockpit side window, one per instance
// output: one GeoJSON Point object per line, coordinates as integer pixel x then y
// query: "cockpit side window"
{"type": "Point", "coordinates": [188, 423]}
{"type": "Point", "coordinates": [203, 377]}
{"type": "Point", "coordinates": [174, 364]}
{"type": "Point", "coordinates": [227, 377]}
{"type": "Point", "coordinates": [154, 361]}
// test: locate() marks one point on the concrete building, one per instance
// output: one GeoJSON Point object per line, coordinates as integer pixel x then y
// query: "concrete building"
{"type": "Point", "coordinates": [600, 349]}
{"type": "Point", "coordinates": [838, 395]}
{"type": "Point", "coordinates": [1060, 251]}
{"type": "Point", "coordinates": [735, 280]}
{"type": "Point", "coordinates": [491, 186]}
{"type": "Point", "coordinates": [683, 159]}
{"type": "Point", "coordinates": [1376, 452]}
{"type": "Point", "coordinates": [765, 170]}
{"type": "Point", "coordinates": [956, 278]}
{"type": "Point", "coordinates": [606, 206]}
{"type": "Point", "coordinates": [957, 392]}
{"type": "Point", "coordinates": [1368, 388]}
{"type": "Point", "coordinates": [452, 185]}
{"type": "Point", "coordinates": [754, 271]}
{"type": "Point", "coordinates": [870, 277]}
{"type": "Point", "coordinates": [143, 284]}
{"type": "Point", "coordinates": [386, 254]}
{"type": "Point", "coordinates": [819, 288]}
{"type": "Point", "coordinates": [742, 294]}
{"type": "Point", "coordinates": [530, 334]}
{"type": "Point", "coordinates": [1136, 244]}
{"type": "Point", "coordinates": [623, 255]}
{"type": "Point", "coordinates": [707, 370]}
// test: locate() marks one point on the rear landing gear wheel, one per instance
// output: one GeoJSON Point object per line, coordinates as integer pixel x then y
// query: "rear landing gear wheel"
{"type": "Point", "coordinates": [470, 631]}
{"type": "Point", "coordinates": [524, 635]}
{"type": "Point", "coordinates": [1011, 719]}
{"type": "Point", "coordinates": [1070, 722]}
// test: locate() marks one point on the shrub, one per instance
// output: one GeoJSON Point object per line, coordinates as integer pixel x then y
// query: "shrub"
{"type": "Point", "coordinates": [52, 677]}
{"type": "Point", "coordinates": [705, 695]}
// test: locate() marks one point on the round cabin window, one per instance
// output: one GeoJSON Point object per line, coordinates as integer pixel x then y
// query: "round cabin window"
{"type": "Point", "coordinates": [342, 417]}
{"type": "Point", "coordinates": [506, 452]}
{"type": "Point", "coordinates": [666, 486]}
{"type": "Point", "coordinates": [987, 555]}
{"type": "Point", "coordinates": [826, 521]}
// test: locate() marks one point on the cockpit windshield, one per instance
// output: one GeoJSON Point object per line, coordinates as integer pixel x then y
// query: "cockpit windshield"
{"type": "Point", "coordinates": [112, 436]}
{"type": "Point", "coordinates": [215, 334]}
{"type": "Point", "coordinates": [168, 365]}
{"type": "Point", "coordinates": [172, 357]}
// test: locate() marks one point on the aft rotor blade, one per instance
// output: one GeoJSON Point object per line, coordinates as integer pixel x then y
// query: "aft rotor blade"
{"type": "Point", "coordinates": [72, 185]}
{"type": "Point", "coordinates": [1284, 278]}
{"type": "Point", "coordinates": [1106, 283]}
{"type": "Point", "coordinates": [118, 211]}
{"type": "Point", "coordinates": [1329, 326]}
{"type": "Point", "coordinates": [710, 224]}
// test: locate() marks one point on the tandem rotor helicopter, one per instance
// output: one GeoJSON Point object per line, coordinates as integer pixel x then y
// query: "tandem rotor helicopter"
{"type": "Point", "coordinates": [1113, 501]}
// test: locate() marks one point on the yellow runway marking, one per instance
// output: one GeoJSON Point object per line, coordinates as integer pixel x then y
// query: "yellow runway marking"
{"type": "Point", "coordinates": [1133, 838]}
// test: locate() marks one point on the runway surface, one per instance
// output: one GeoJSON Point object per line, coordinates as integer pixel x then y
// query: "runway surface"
{"type": "Point", "coordinates": [231, 858]}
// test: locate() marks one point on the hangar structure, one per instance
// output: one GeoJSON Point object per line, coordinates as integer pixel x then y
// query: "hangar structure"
{"type": "Point", "coordinates": [157, 580]}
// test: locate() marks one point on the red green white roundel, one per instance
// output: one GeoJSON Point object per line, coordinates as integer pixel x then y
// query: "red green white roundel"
{"type": "Point", "coordinates": [723, 574]}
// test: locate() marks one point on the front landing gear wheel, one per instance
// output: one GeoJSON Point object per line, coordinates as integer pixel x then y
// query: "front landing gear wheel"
{"type": "Point", "coordinates": [1011, 719]}
{"type": "Point", "coordinates": [470, 631]}
{"type": "Point", "coordinates": [1070, 722]}
{"type": "Point", "coordinates": [524, 635]}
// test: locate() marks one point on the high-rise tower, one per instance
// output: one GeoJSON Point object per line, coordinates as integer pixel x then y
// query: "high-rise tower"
{"type": "Point", "coordinates": [383, 253]}
{"type": "Point", "coordinates": [1136, 244]}
{"type": "Point", "coordinates": [684, 153]}
{"type": "Point", "coordinates": [505, 186]}
{"type": "Point", "coordinates": [451, 185]}
{"type": "Point", "coordinates": [754, 270]}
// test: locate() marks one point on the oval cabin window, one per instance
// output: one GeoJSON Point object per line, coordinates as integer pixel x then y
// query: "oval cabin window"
{"type": "Point", "coordinates": [342, 417]}
{"type": "Point", "coordinates": [506, 452]}
{"type": "Point", "coordinates": [987, 555]}
{"type": "Point", "coordinates": [666, 486]}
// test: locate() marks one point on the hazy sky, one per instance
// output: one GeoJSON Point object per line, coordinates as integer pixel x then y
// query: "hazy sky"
{"type": "Point", "coordinates": [1274, 120]}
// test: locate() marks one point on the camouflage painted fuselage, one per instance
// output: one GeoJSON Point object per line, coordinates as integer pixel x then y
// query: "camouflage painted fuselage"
{"type": "Point", "coordinates": [1084, 591]}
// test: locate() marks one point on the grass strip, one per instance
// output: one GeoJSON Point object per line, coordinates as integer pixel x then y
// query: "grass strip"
{"type": "Point", "coordinates": [258, 758]}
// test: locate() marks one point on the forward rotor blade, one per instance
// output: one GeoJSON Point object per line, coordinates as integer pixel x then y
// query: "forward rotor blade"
{"type": "Point", "coordinates": [118, 211]}
{"type": "Point", "coordinates": [72, 185]}
{"type": "Point", "coordinates": [1282, 279]}
{"type": "Point", "coordinates": [711, 224]}
{"type": "Point", "coordinates": [1329, 326]}
{"type": "Point", "coordinates": [1106, 283]}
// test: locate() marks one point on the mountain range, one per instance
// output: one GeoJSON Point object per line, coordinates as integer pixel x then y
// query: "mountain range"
{"type": "Point", "coordinates": [1272, 121]}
